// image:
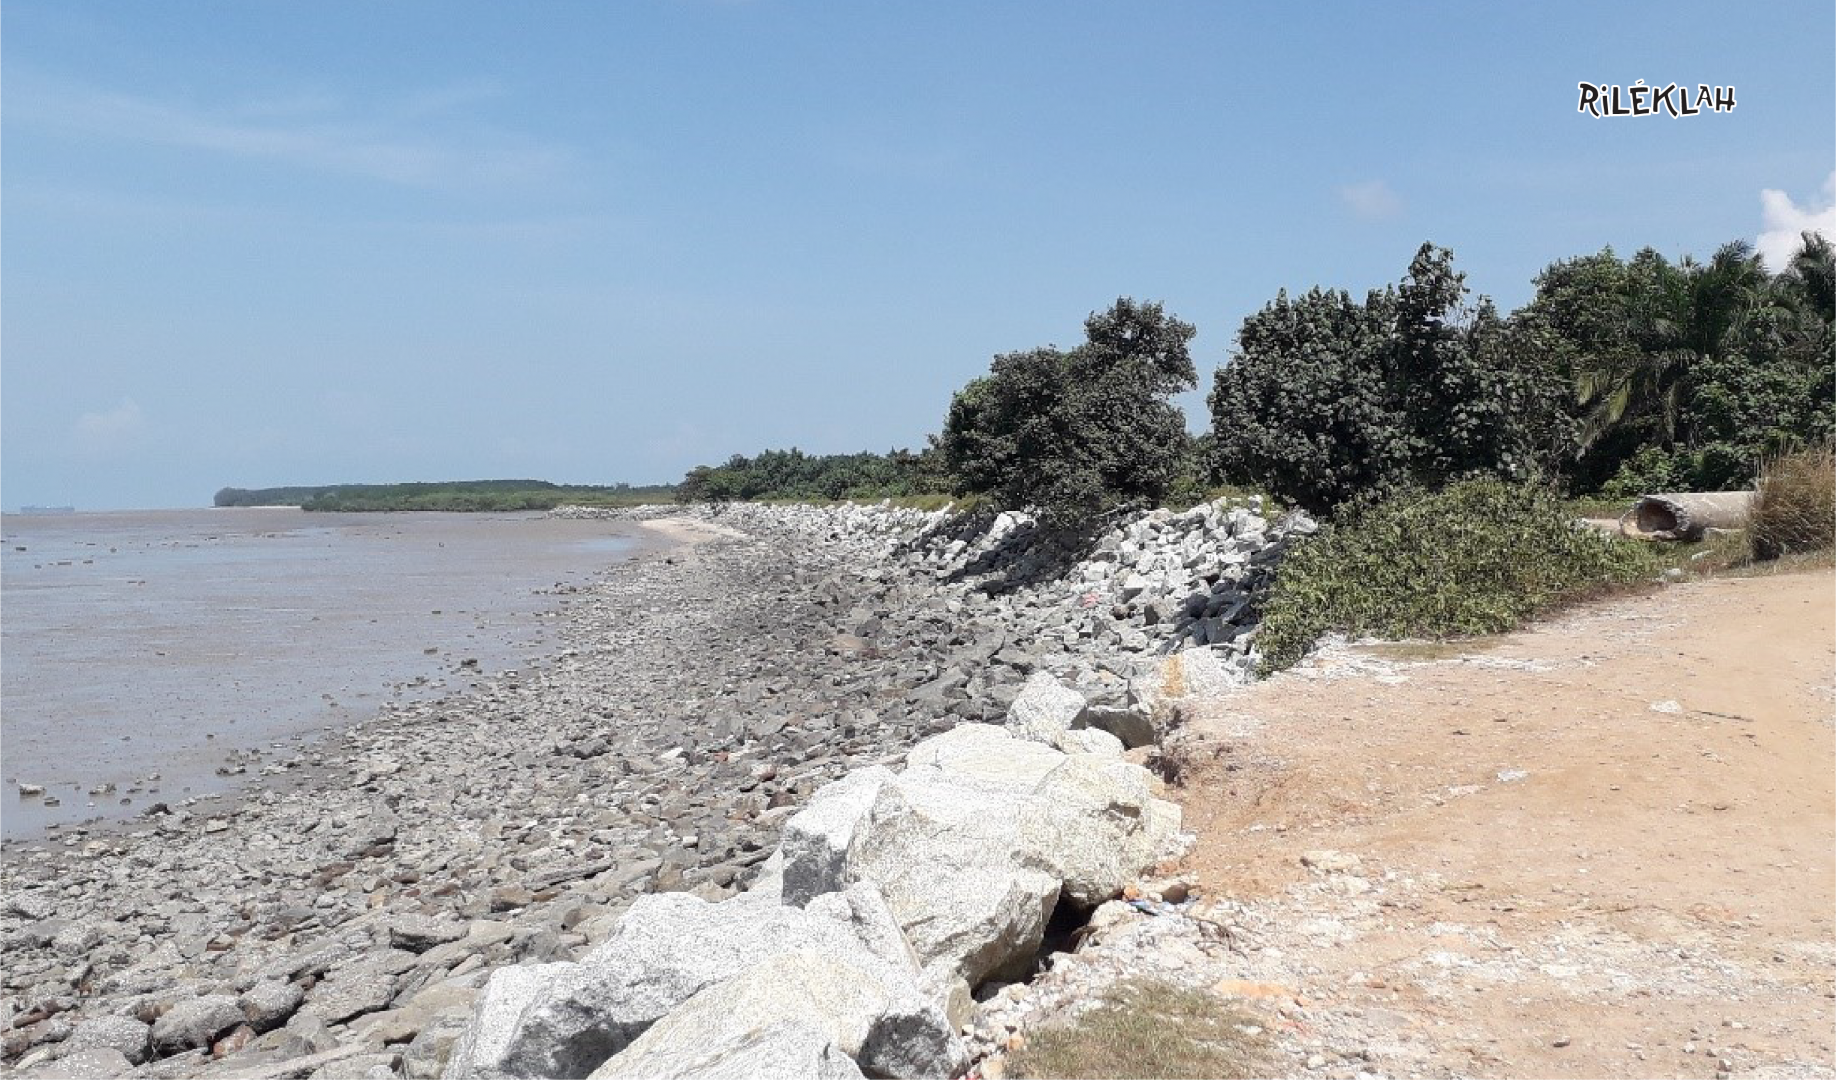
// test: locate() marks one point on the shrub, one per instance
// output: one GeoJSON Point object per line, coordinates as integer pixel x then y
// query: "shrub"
{"type": "Point", "coordinates": [1476, 558]}
{"type": "Point", "coordinates": [1795, 509]}
{"type": "Point", "coordinates": [1072, 433]}
{"type": "Point", "coordinates": [1648, 472]}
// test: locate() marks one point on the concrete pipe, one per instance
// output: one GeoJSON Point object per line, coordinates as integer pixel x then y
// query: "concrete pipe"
{"type": "Point", "coordinates": [1686, 515]}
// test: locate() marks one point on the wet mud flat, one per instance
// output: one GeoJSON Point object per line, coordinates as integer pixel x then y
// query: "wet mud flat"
{"type": "Point", "coordinates": [159, 655]}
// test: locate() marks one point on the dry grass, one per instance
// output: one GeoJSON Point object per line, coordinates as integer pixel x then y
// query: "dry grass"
{"type": "Point", "coordinates": [1795, 510]}
{"type": "Point", "coordinates": [1148, 1028]}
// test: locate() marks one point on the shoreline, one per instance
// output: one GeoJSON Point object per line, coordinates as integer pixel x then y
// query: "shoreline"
{"type": "Point", "coordinates": [697, 697]}
{"type": "Point", "coordinates": [426, 810]}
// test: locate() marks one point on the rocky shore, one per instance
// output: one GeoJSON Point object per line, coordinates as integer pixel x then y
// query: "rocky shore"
{"type": "Point", "coordinates": [346, 923]}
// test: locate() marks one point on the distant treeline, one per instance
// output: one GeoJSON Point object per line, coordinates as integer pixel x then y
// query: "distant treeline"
{"type": "Point", "coordinates": [460, 495]}
{"type": "Point", "coordinates": [793, 474]}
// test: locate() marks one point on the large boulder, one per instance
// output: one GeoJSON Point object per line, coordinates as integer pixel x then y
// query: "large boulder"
{"type": "Point", "coordinates": [1095, 825]}
{"type": "Point", "coordinates": [567, 1019]}
{"type": "Point", "coordinates": [974, 843]}
{"type": "Point", "coordinates": [947, 858]}
{"type": "Point", "coordinates": [816, 839]}
{"type": "Point", "coordinates": [886, 1025]}
{"type": "Point", "coordinates": [195, 1023]}
{"type": "Point", "coordinates": [787, 1050]}
{"type": "Point", "coordinates": [981, 755]}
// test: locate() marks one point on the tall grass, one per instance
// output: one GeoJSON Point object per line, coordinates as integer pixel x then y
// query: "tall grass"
{"type": "Point", "coordinates": [1795, 510]}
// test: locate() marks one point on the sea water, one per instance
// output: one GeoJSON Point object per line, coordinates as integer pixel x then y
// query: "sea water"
{"type": "Point", "coordinates": [138, 644]}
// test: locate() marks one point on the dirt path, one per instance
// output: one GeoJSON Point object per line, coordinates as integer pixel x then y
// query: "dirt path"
{"type": "Point", "coordinates": [1605, 846]}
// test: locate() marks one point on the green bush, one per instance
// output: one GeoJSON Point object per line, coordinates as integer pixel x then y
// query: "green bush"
{"type": "Point", "coordinates": [1795, 509]}
{"type": "Point", "coordinates": [1327, 400]}
{"type": "Point", "coordinates": [1648, 472]}
{"type": "Point", "coordinates": [1476, 558]}
{"type": "Point", "coordinates": [1072, 433]}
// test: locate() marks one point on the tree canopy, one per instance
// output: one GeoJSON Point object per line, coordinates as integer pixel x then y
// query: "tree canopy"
{"type": "Point", "coordinates": [1326, 399]}
{"type": "Point", "coordinates": [1070, 433]}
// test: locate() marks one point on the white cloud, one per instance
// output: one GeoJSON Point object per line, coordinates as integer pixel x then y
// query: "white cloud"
{"type": "Point", "coordinates": [1784, 222]}
{"type": "Point", "coordinates": [1372, 200]}
{"type": "Point", "coordinates": [314, 132]}
{"type": "Point", "coordinates": [101, 433]}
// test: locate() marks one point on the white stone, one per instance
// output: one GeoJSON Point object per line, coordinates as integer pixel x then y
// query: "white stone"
{"type": "Point", "coordinates": [816, 839]}
{"type": "Point", "coordinates": [890, 1029]}
{"type": "Point", "coordinates": [1044, 710]}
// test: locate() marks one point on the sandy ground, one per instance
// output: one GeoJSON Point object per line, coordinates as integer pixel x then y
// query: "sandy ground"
{"type": "Point", "coordinates": [691, 530]}
{"type": "Point", "coordinates": [1605, 846]}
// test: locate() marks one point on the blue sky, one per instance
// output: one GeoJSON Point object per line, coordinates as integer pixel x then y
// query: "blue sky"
{"type": "Point", "coordinates": [273, 243]}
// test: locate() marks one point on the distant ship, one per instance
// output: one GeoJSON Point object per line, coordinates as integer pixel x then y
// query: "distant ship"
{"type": "Point", "coordinates": [47, 509]}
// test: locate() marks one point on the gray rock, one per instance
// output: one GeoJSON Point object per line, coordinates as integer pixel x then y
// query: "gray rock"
{"type": "Point", "coordinates": [75, 939]}
{"type": "Point", "coordinates": [269, 1003]}
{"type": "Point", "coordinates": [31, 905]}
{"type": "Point", "coordinates": [305, 1035]}
{"type": "Point", "coordinates": [195, 1023]}
{"type": "Point", "coordinates": [123, 1034]}
{"type": "Point", "coordinates": [787, 1050]}
{"type": "Point", "coordinates": [95, 1063]}
{"type": "Point", "coordinates": [419, 933]}
{"type": "Point", "coordinates": [371, 1066]}
{"type": "Point", "coordinates": [352, 989]}
{"type": "Point", "coordinates": [332, 1063]}
{"type": "Point", "coordinates": [406, 1021]}
{"type": "Point", "coordinates": [426, 1056]}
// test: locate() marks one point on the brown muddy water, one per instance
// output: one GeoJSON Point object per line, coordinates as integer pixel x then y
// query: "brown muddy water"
{"type": "Point", "coordinates": [146, 649]}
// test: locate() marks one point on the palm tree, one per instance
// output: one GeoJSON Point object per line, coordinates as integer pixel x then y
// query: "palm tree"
{"type": "Point", "coordinates": [1673, 316]}
{"type": "Point", "coordinates": [1809, 281]}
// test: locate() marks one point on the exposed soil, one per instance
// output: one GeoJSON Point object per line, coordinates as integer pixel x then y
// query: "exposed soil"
{"type": "Point", "coordinates": [1604, 846]}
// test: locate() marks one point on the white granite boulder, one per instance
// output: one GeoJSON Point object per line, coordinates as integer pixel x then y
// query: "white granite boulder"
{"type": "Point", "coordinates": [787, 1050]}
{"type": "Point", "coordinates": [1045, 711]}
{"type": "Point", "coordinates": [886, 1025]}
{"type": "Point", "coordinates": [975, 842]}
{"type": "Point", "coordinates": [567, 1019]}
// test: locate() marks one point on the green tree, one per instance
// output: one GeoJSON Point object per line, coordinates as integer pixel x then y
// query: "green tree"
{"type": "Point", "coordinates": [1688, 374]}
{"type": "Point", "coordinates": [1326, 399]}
{"type": "Point", "coordinates": [1303, 409]}
{"type": "Point", "coordinates": [1071, 433]}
